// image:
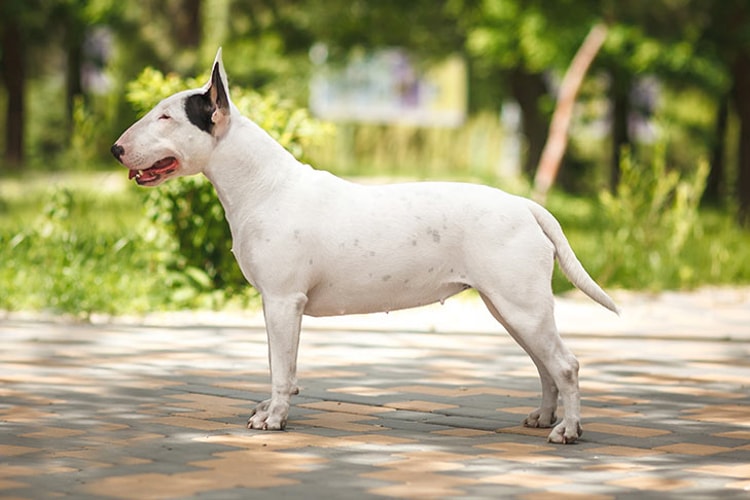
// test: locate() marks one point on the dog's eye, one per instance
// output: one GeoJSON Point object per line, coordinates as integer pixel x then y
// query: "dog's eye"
{"type": "Point", "coordinates": [165, 117]}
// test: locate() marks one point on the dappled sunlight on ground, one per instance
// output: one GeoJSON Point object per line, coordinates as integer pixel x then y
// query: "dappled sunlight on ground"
{"type": "Point", "coordinates": [138, 409]}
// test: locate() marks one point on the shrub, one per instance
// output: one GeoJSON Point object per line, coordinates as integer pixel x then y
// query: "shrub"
{"type": "Point", "coordinates": [651, 217]}
{"type": "Point", "coordinates": [187, 209]}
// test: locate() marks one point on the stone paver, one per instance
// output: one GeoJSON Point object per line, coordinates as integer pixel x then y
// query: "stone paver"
{"type": "Point", "coordinates": [420, 404]}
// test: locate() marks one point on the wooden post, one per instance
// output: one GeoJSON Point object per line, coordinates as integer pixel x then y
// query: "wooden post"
{"type": "Point", "coordinates": [557, 139]}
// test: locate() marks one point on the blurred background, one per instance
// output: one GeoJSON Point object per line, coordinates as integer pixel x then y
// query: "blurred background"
{"type": "Point", "coordinates": [653, 190]}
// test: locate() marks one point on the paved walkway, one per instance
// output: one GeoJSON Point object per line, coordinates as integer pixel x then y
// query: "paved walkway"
{"type": "Point", "coordinates": [408, 405]}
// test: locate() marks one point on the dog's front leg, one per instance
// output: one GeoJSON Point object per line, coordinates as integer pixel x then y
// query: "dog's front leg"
{"type": "Point", "coordinates": [283, 321]}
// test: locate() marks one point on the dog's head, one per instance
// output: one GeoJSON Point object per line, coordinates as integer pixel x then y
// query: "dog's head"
{"type": "Point", "coordinates": [177, 137]}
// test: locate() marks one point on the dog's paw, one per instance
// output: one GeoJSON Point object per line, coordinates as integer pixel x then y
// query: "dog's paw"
{"type": "Point", "coordinates": [566, 432]}
{"type": "Point", "coordinates": [269, 416]}
{"type": "Point", "coordinates": [540, 419]}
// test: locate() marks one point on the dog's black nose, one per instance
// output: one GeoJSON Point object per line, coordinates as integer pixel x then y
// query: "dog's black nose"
{"type": "Point", "coordinates": [117, 151]}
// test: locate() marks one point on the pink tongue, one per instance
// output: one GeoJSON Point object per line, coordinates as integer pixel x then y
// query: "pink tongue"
{"type": "Point", "coordinates": [155, 171]}
{"type": "Point", "coordinates": [162, 163]}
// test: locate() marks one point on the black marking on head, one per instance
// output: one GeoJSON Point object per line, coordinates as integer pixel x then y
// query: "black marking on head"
{"type": "Point", "coordinates": [199, 110]}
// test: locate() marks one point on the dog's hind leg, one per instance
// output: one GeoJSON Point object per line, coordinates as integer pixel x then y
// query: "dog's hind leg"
{"type": "Point", "coordinates": [545, 415]}
{"type": "Point", "coordinates": [283, 322]}
{"type": "Point", "coordinates": [531, 323]}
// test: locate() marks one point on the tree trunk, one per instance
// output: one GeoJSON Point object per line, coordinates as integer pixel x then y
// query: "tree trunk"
{"type": "Point", "coordinates": [557, 140]}
{"type": "Point", "coordinates": [187, 22]}
{"type": "Point", "coordinates": [715, 181]}
{"type": "Point", "coordinates": [13, 75]}
{"type": "Point", "coordinates": [74, 38]}
{"type": "Point", "coordinates": [620, 101]}
{"type": "Point", "coordinates": [741, 75]}
{"type": "Point", "coordinates": [528, 89]}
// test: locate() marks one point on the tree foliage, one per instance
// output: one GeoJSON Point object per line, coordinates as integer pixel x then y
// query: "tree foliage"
{"type": "Point", "coordinates": [516, 49]}
{"type": "Point", "coordinates": [72, 78]}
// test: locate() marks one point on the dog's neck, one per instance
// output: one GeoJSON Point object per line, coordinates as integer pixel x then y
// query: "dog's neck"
{"type": "Point", "coordinates": [247, 166]}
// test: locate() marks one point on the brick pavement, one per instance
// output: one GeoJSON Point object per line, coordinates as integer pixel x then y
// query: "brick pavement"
{"type": "Point", "coordinates": [400, 405]}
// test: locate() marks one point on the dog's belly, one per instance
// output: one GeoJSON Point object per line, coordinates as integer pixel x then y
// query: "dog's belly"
{"type": "Point", "coordinates": [340, 299]}
{"type": "Point", "coordinates": [367, 265]}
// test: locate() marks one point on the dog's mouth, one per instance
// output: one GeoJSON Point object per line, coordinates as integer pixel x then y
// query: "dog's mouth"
{"type": "Point", "coordinates": [155, 172]}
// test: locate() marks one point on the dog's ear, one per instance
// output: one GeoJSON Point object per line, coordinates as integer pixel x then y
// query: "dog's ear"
{"type": "Point", "coordinates": [209, 109]}
{"type": "Point", "coordinates": [218, 93]}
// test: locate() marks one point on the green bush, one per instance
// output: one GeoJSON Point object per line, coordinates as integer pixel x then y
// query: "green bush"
{"type": "Point", "coordinates": [651, 220]}
{"type": "Point", "coordinates": [187, 209]}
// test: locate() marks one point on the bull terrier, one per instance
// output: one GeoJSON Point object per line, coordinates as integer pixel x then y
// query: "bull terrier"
{"type": "Point", "coordinates": [315, 244]}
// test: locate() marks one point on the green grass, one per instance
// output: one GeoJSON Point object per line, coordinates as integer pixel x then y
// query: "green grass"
{"type": "Point", "coordinates": [716, 252]}
{"type": "Point", "coordinates": [71, 245]}
{"type": "Point", "coordinates": [80, 244]}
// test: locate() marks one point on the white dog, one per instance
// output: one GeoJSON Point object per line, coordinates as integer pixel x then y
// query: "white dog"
{"type": "Point", "coordinates": [315, 244]}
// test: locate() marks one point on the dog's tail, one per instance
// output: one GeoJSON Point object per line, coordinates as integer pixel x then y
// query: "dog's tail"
{"type": "Point", "coordinates": [567, 259]}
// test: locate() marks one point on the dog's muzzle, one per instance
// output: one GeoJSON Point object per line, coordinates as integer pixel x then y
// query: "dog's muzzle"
{"type": "Point", "coordinates": [151, 175]}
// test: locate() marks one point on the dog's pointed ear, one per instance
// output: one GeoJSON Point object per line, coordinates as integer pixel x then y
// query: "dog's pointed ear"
{"type": "Point", "coordinates": [210, 109]}
{"type": "Point", "coordinates": [218, 92]}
